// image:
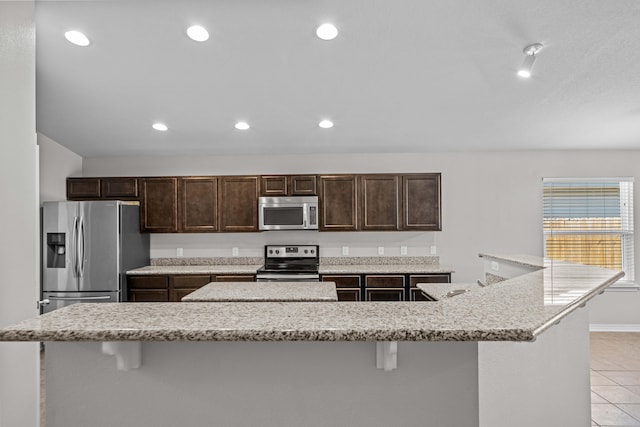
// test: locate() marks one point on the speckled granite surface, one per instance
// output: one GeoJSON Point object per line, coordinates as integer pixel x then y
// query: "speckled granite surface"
{"type": "Point", "coordinates": [517, 309]}
{"type": "Point", "coordinates": [207, 261]}
{"type": "Point", "coordinates": [195, 269]}
{"type": "Point", "coordinates": [385, 269]}
{"type": "Point", "coordinates": [531, 261]}
{"type": "Point", "coordinates": [264, 291]}
{"type": "Point", "coordinates": [380, 260]}
{"type": "Point", "coordinates": [490, 279]}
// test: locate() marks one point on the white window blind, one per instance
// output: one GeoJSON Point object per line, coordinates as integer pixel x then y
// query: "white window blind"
{"type": "Point", "coordinates": [590, 221]}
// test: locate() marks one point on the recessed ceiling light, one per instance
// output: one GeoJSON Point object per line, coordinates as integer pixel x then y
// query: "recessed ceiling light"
{"type": "Point", "coordinates": [242, 126]}
{"type": "Point", "coordinates": [160, 126]}
{"type": "Point", "coordinates": [530, 57]}
{"type": "Point", "coordinates": [77, 38]}
{"type": "Point", "coordinates": [327, 31]}
{"type": "Point", "coordinates": [325, 124]}
{"type": "Point", "coordinates": [198, 33]}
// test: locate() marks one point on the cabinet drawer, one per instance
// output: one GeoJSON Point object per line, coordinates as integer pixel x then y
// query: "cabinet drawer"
{"type": "Point", "coordinates": [343, 281]}
{"type": "Point", "coordinates": [192, 281]}
{"type": "Point", "coordinates": [384, 294]}
{"type": "Point", "coordinates": [429, 278]}
{"type": "Point", "coordinates": [148, 295]}
{"type": "Point", "coordinates": [148, 282]}
{"type": "Point", "coordinates": [235, 278]}
{"type": "Point", "coordinates": [384, 281]}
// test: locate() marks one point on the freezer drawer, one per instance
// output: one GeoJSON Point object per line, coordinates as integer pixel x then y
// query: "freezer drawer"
{"type": "Point", "coordinates": [58, 300]}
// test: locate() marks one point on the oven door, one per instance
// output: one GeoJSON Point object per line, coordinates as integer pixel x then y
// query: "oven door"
{"type": "Point", "coordinates": [287, 277]}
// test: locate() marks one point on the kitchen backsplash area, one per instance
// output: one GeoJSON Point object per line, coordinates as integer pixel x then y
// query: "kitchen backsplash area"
{"type": "Point", "coordinates": [332, 244]}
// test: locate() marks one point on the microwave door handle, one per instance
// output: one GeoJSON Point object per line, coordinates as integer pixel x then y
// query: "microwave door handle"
{"type": "Point", "coordinates": [305, 213]}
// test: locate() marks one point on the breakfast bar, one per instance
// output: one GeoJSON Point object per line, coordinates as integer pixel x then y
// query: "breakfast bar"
{"type": "Point", "coordinates": [483, 357]}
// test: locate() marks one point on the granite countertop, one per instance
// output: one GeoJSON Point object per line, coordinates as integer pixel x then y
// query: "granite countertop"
{"type": "Point", "coordinates": [195, 269]}
{"type": "Point", "coordinates": [517, 309]}
{"type": "Point", "coordinates": [530, 261]}
{"type": "Point", "coordinates": [264, 291]}
{"type": "Point", "coordinates": [385, 269]}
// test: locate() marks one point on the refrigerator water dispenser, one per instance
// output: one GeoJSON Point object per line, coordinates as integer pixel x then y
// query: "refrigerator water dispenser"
{"type": "Point", "coordinates": [56, 250]}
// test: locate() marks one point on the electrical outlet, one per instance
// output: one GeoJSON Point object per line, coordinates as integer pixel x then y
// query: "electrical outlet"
{"type": "Point", "coordinates": [403, 250]}
{"type": "Point", "coordinates": [433, 250]}
{"type": "Point", "coordinates": [345, 250]}
{"type": "Point", "coordinates": [380, 250]}
{"type": "Point", "coordinates": [180, 252]}
{"type": "Point", "coordinates": [495, 266]}
{"type": "Point", "coordinates": [234, 251]}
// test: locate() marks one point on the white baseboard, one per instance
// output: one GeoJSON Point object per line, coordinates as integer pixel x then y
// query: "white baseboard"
{"type": "Point", "coordinates": [613, 327]}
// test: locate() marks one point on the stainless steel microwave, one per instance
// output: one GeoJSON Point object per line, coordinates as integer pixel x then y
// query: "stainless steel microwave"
{"type": "Point", "coordinates": [288, 213]}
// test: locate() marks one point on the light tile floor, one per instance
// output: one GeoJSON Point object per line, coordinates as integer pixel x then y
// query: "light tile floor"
{"type": "Point", "coordinates": [615, 379]}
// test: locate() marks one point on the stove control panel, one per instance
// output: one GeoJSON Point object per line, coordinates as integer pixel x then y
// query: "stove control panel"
{"type": "Point", "coordinates": [297, 251]}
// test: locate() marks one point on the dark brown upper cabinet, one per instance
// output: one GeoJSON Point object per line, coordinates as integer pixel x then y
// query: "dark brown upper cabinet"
{"type": "Point", "coordinates": [199, 204]}
{"type": "Point", "coordinates": [119, 188]}
{"type": "Point", "coordinates": [288, 185]}
{"type": "Point", "coordinates": [83, 188]}
{"type": "Point", "coordinates": [238, 203]}
{"type": "Point", "coordinates": [159, 205]}
{"type": "Point", "coordinates": [421, 204]}
{"type": "Point", "coordinates": [338, 203]}
{"type": "Point", "coordinates": [379, 202]}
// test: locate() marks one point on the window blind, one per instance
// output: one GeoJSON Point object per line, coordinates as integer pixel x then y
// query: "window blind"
{"type": "Point", "coordinates": [590, 221]}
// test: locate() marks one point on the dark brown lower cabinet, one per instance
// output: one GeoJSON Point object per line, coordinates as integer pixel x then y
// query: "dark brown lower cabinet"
{"type": "Point", "coordinates": [148, 295]}
{"type": "Point", "coordinates": [172, 287]}
{"type": "Point", "coordinates": [387, 287]}
{"type": "Point", "coordinates": [348, 287]}
{"type": "Point", "coordinates": [415, 293]}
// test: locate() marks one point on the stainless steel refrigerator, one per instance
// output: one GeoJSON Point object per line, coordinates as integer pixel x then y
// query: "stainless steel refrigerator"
{"type": "Point", "coordinates": [87, 247]}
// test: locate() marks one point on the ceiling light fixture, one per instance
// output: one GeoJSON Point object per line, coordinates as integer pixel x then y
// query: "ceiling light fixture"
{"type": "Point", "coordinates": [242, 126]}
{"type": "Point", "coordinates": [530, 57]}
{"type": "Point", "coordinates": [327, 31]}
{"type": "Point", "coordinates": [198, 33]}
{"type": "Point", "coordinates": [77, 38]}
{"type": "Point", "coordinates": [160, 126]}
{"type": "Point", "coordinates": [326, 124]}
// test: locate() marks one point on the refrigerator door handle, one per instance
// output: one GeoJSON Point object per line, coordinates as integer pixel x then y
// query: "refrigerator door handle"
{"type": "Point", "coordinates": [75, 243]}
{"type": "Point", "coordinates": [104, 297]}
{"type": "Point", "coordinates": [81, 246]}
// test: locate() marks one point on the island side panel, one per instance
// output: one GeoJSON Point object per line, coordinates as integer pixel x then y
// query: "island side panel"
{"type": "Point", "coordinates": [263, 383]}
{"type": "Point", "coordinates": [545, 382]}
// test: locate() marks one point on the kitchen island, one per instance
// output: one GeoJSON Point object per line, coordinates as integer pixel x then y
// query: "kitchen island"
{"type": "Point", "coordinates": [494, 356]}
{"type": "Point", "coordinates": [264, 291]}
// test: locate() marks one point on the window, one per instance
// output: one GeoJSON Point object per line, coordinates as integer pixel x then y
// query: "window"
{"type": "Point", "coordinates": [590, 221]}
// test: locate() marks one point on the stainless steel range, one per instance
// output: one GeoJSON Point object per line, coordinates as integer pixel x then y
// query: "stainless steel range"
{"type": "Point", "coordinates": [294, 263]}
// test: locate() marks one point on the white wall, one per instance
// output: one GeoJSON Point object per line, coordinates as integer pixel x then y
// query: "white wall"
{"type": "Point", "coordinates": [18, 174]}
{"type": "Point", "coordinates": [492, 202]}
{"type": "Point", "coordinates": [56, 163]}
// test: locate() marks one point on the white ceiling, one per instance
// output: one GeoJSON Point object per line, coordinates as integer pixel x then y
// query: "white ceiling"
{"type": "Point", "coordinates": [402, 76]}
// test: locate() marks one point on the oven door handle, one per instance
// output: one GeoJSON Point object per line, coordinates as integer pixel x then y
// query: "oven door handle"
{"type": "Point", "coordinates": [285, 277]}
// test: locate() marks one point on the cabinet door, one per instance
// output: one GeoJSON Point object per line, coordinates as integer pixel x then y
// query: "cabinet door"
{"type": "Point", "coordinates": [346, 294]}
{"type": "Point", "coordinates": [119, 188]}
{"type": "Point", "coordinates": [379, 202]}
{"type": "Point", "coordinates": [199, 204]}
{"type": "Point", "coordinates": [273, 185]}
{"type": "Point", "coordinates": [176, 295]}
{"type": "Point", "coordinates": [83, 188]}
{"type": "Point", "coordinates": [235, 278]}
{"type": "Point", "coordinates": [382, 294]}
{"type": "Point", "coordinates": [159, 205]}
{"type": "Point", "coordinates": [421, 202]}
{"type": "Point", "coordinates": [338, 203]}
{"type": "Point", "coordinates": [302, 185]}
{"type": "Point", "coordinates": [238, 203]}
